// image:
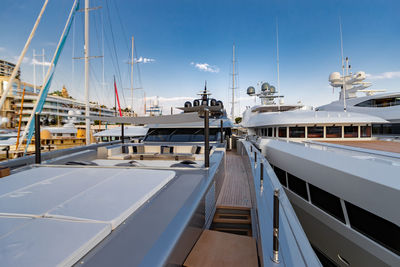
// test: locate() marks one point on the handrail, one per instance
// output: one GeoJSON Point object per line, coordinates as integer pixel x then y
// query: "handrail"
{"type": "Point", "coordinates": [289, 244]}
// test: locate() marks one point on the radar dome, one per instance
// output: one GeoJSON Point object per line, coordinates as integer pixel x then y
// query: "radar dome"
{"type": "Point", "coordinates": [272, 89]}
{"type": "Point", "coordinates": [360, 75]}
{"type": "Point", "coordinates": [334, 77]}
{"type": "Point", "coordinates": [251, 90]}
{"type": "Point", "coordinates": [265, 87]}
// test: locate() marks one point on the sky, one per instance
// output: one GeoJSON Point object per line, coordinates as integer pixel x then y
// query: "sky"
{"type": "Point", "coordinates": [180, 44]}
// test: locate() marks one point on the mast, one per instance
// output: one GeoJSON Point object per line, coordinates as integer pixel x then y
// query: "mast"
{"type": "Point", "coordinates": [34, 72]}
{"type": "Point", "coordinates": [277, 58]}
{"type": "Point", "coordinates": [344, 78]}
{"type": "Point", "coordinates": [86, 52]}
{"type": "Point", "coordinates": [233, 82]}
{"type": "Point", "coordinates": [21, 57]}
{"type": "Point", "coordinates": [132, 75]}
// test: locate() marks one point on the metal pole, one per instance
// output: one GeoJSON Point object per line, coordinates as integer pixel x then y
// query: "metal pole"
{"type": "Point", "coordinates": [206, 140]}
{"type": "Point", "coordinates": [261, 176]}
{"type": "Point", "coordinates": [37, 139]}
{"type": "Point", "coordinates": [21, 57]}
{"type": "Point", "coordinates": [122, 133]}
{"type": "Point", "coordinates": [87, 109]}
{"type": "Point", "coordinates": [222, 131]}
{"type": "Point", "coordinates": [275, 244]}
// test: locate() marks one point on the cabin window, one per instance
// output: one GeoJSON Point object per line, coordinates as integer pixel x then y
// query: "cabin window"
{"type": "Point", "coordinates": [282, 131]}
{"type": "Point", "coordinates": [281, 174]}
{"type": "Point", "coordinates": [297, 132]}
{"type": "Point", "coordinates": [378, 229]}
{"type": "Point", "coordinates": [333, 132]}
{"type": "Point", "coordinates": [365, 131]}
{"type": "Point", "coordinates": [275, 135]}
{"type": "Point", "coordinates": [270, 132]}
{"type": "Point", "coordinates": [315, 132]}
{"type": "Point", "coordinates": [350, 131]}
{"type": "Point", "coordinates": [327, 202]}
{"type": "Point", "coordinates": [380, 103]}
{"type": "Point", "coordinates": [298, 186]}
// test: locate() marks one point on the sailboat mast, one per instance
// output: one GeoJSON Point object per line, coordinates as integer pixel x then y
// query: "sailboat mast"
{"type": "Point", "coordinates": [233, 82]}
{"type": "Point", "coordinates": [86, 51]}
{"type": "Point", "coordinates": [132, 76]}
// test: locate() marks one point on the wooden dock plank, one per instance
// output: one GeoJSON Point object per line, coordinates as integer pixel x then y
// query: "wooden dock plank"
{"type": "Point", "coordinates": [235, 191]}
{"type": "Point", "coordinates": [388, 146]}
{"type": "Point", "coordinates": [223, 249]}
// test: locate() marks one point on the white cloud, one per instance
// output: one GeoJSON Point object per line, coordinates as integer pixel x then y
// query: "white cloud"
{"type": "Point", "coordinates": [24, 61]}
{"type": "Point", "coordinates": [37, 62]}
{"type": "Point", "coordinates": [205, 67]}
{"type": "Point", "coordinates": [384, 75]}
{"type": "Point", "coordinates": [2, 49]}
{"type": "Point", "coordinates": [144, 60]}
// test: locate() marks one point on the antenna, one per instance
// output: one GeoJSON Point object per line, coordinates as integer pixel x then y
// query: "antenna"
{"type": "Point", "coordinates": [344, 79]}
{"type": "Point", "coordinates": [277, 57]}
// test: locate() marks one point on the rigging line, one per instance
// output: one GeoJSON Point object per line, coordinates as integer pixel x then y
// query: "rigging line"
{"type": "Point", "coordinates": [115, 51]}
{"type": "Point", "coordinates": [122, 26]}
{"type": "Point", "coordinates": [94, 77]}
{"type": "Point", "coordinates": [138, 69]}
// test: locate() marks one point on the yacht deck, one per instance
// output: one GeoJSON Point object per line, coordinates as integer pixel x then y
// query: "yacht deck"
{"type": "Point", "coordinates": [235, 190]}
{"type": "Point", "coordinates": [388, 146]}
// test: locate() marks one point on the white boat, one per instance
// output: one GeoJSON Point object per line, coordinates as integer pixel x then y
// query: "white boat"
{"type": "Point", "coordinates": [341, 181]}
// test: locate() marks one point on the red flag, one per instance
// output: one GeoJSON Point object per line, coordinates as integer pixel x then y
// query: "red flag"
{"type": "Point", "coordinates": [116, 93]}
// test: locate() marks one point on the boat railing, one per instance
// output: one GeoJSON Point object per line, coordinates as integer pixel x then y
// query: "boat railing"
{"type": "Point", "coordinates": [294, 248]}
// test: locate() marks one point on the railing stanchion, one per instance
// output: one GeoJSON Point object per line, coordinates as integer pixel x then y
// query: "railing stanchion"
{"type": "Point", "coordinates": [122, 134]}
{"type": "Point", "coordinates": [275, 252]}
{"type": "Point", "coordinates": [206, 140]}
{"type": "Point", "coordinates": [38, 158]}
{"type": "Point", "coordinates": [262, 177]}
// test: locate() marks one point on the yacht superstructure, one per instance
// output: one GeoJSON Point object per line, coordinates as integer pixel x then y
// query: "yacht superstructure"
{"type": "Point", "coordinates": [339, 179]}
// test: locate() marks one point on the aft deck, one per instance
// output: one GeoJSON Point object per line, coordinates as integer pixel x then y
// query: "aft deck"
{"type": "Point", "coordinates": [388, 146]}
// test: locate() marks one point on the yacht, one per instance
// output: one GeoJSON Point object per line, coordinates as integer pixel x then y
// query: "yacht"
{"type": "Point", "coordinates": [177, 198]}
{"type": "Point", "coordinates": [342, 181]}
{"type": "Point", "coordinates": [384, 105]}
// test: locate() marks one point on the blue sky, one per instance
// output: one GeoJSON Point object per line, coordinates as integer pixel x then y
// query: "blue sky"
{"type": "Point", "coordinates": [187, 42]}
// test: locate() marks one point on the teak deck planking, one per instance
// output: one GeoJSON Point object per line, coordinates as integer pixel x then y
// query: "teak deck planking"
{"type": "Point", "coordinates": [235, 192]}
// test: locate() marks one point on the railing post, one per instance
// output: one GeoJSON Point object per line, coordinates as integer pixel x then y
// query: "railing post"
{"type": "Point", "coordinates": [122, 133]}
{"type": "Point", "coordinates": [38, 159]}
{"type": "Point", "coordinates": [262, 177]}
{"type": "Point", "coordinates": [206, 140]}
{"type": "Point", "coordinates": [275, 244]}
{"type": "Point", "coordinates": [222, 131]}
{"type": "Point", "coordinates": [255, 158]}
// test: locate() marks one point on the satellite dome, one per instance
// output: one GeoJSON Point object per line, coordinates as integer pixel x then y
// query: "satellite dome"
{"type": "Point", "coordinates": [360, 75]}
{"type": "Point", "coordinates": [272, 89]}
{"type": "Point", "coordinates": [251, 90]}
{"type": "Point", "coordinates": [334, 77]}
{"type": "Point", "coordinates": [265, 87]}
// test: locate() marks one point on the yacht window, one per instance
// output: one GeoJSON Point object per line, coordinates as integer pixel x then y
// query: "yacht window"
{"type": "Point", "coordinates": [282, 131]}
{"type": "Point", "coordinates": [315, 132]}
{"type": "Point", "coordinates": [269, 132]}
{"type": "Point", "coordinates": [298, 186]}
{"type": "Point", "coordinates": [333, 131]}
{"type": "Point", "coordinates": [350, 131]}
{"type": "Point", "coordinates": [297, 132]}
{"type": "Point", "coordinates": [327, 202]}
{"type": "Point", "coordinates": [182, 135]}
{"type": "Point", "coordinates": [365, 131]}
{"type": "Point", "coordinates": [159, 135]}
{"type": "Point", "coordinates": [281, 174]}
{"type": "Point", "coordinates": [275, 135]}
{"type": "Point", "coordinates": [378, 229]}
{"type": "Point", "coordinates": [380, 103]}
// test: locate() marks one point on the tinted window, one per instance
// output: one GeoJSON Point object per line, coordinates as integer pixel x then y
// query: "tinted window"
{"type": "Point", "coordinates": [350, 131]}
{"type": "Point", "coordinates": [182, 135]}
{"type": "Point", "coordinates": [298, 186]}
{"type": "Point", "coordinates": [365, 131]}
{"type": "Point", "coordinates": [159, 135]}
{"type": "Point", "coordinates": [378, 229]}
{"type": "Point", "coordinates": [281, 174]}
{"type": "Point", "coordinates": [269, 131]}
{"type": "Point", "coordinates": [282, 132]}
{"type": "Point", "coordinates": [297, 132]}
{"type": "Point", "coordinates": [327, 202]}
{"type": "Point", "coordinates": [315, 132]}
{"type": "Point", "coordinates": [333, 132]}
